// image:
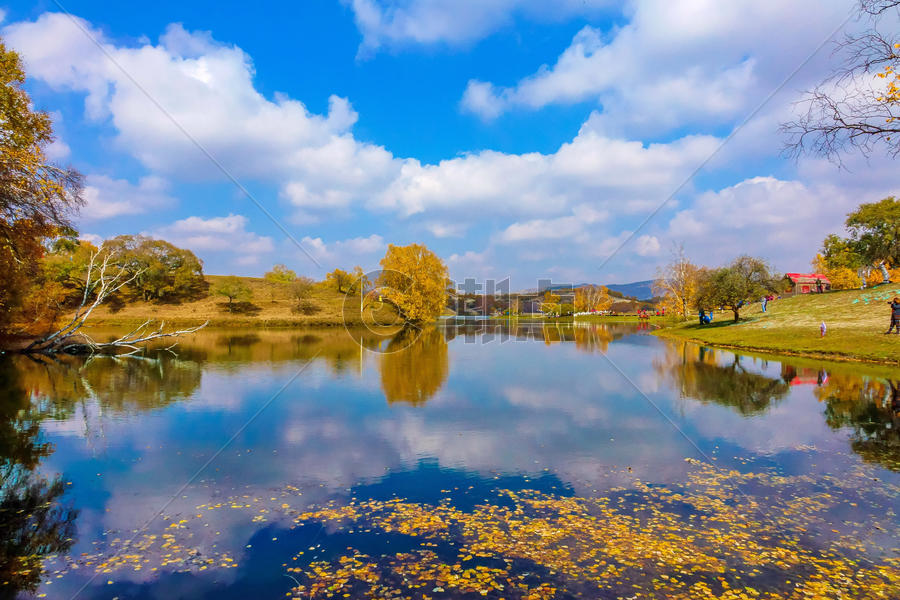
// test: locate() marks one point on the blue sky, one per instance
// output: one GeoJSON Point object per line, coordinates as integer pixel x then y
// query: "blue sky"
{"type": "Point", "coordinates": [513, 138]}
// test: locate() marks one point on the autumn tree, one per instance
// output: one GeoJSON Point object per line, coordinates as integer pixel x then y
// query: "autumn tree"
{"type": "Point", "coordinates": [746, 278]}
{"type": "Point", "coordinates": [414, 280]}
{"type": "Point", "coordinates": [280, 274]}
{"type": "Point", "coordinates": [359, 279]}
{"type": "Point", "coordinates": [841, 277]}
{"type": "Point", "coordinates": [858, 105]}
{"type": "Point", "coordinates": [301, 289]}
{"type": "Point", "coordinates": [677, 283]}
{"type": "Point", "coordinates": [67, 263]}
{"type": "Point", "coordinates": [234, 289]}
{"type": "Point", "coordinates": [340, 279]}
{"type": "Point", "coordinates": [162, 271]}
{"type": "Point", "coordinates": [591, 298]}
{"type": "Point", "coordinates": [873, 241]}
{"type": "Point", "coordinates": [550, 303]}
{"type": "Point", "coordinates": [37, 199]}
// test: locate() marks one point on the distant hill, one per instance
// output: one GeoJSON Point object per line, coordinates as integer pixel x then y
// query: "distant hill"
{"type": "Point", "coordinates": [642, 290]}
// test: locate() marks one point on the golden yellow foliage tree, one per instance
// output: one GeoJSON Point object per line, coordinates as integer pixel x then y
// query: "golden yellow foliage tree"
{"type": "Point", "coordinates": [414, 280]}
{"type": "Point", "coordinates": [841, 278]}
{"type": "Point", "coordinates": [340, 279]}
{"type": "Point", "coordinates": [36, 198]}
{"type": "Point", "coordinates": [592, 297]}
{"type": "Point", "coordinates": [678, 283]}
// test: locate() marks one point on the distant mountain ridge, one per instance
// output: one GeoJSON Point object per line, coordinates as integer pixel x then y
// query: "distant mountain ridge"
{"type": "Point", "coordinates": [642, 290]}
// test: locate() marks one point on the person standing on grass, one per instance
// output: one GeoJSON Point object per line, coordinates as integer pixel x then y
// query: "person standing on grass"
{"type": "Point", "coordinates": [895, 316]}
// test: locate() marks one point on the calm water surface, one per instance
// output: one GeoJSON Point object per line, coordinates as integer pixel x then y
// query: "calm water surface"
{"type": "Point", "coordinates": [542, 461]}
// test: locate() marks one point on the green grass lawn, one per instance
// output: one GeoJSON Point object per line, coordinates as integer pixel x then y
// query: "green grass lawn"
{"type": "Point", "coordinates": [856, 320]}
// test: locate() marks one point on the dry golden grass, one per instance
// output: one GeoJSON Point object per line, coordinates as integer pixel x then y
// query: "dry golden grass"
{"type": "Point", "coordinates": [273, 305]}
{"type": "Point", "coordinates": [855, 319]}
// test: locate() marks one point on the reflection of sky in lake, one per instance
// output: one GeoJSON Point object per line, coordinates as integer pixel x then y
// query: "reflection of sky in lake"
{"type": "Point", "coordinates": [554, 416]}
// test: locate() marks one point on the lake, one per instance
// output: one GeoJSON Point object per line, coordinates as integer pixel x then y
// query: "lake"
{"type": "Point", "coordinates": [466, 460]}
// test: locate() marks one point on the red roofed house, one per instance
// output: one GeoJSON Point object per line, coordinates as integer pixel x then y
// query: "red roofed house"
{"type": "Point", "coordinates": [806, 283]}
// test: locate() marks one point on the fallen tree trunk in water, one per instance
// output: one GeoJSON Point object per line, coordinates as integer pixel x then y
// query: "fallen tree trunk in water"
{"type": "Point", "coordinates": [104, 278]}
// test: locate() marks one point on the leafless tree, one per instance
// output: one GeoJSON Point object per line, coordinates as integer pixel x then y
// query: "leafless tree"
{"type": "Point", "coordinates": [849, 110]}
{"type": "Point", "coordinates": [104, 278]}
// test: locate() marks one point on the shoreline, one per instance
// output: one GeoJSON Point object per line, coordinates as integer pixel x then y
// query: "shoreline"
{"type": "Point", "coordinates": [672, 333]}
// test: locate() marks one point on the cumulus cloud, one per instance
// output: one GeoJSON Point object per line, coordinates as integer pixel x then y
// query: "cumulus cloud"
{"type": "Point", "coordinates": [673, 63]}
{"type": "Point", "coordinates": [365, 251]}
{"type": "Point", "coordinates": [217, 234]}
{"type": "Point", "coordinates": [319, 166]}
{"type": "Point", "coordinates": [446, 230]}
{"type": "Point", "coordinates": [604, 172]}
{"type": "Point", "coordinates": [783, 220]}
{"type": "Point", "coordinates": [206, 88]}
{"type": "Point", "coordinates": [397, 23]}
{"type": "Point", "coordinates": [647, 245]}
{"type": "Point", "coordinates": [106, 198]}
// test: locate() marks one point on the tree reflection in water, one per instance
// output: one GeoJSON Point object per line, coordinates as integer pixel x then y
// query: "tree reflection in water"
{"type": "Point", "coordinates": [33, 520]}
{"type": "Point", "coordinates": [414, 366]}
{"type": "Point", "coordinates": [870, 408]}
{"type": "Point", "coordinates": [698, 373]}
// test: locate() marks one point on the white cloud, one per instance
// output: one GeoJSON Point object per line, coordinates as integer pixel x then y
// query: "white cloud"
{"type": "Point", "coordinates": [217, 234]}
{"type": "Point", "coordinates": [446, 230]}
{"type": "Point", "coordinates": [318, 165]}
{"type": "Point", "coordinates": [91, 237]}
{"type": "Point", "coordinates": [207, 87]}
{"type": "Point", "coordinates": [57, 150]}
{"type": "Point", "coordinates": [593, 169]}
{"type": "Point", "coordinates": [673, 63]}
{"type": "Point", "coordinates": [453, 22]}
{"type": "Point", "coordinates": [365, 251]}
{"type": "Point", "coordinates": [106, 197]}
{"type": "Point", "coordinates": [542, 229]}
{"type": "Point", "coordinates": [647, 245]}
{"type": "Point", "coordinates": [784, 221]}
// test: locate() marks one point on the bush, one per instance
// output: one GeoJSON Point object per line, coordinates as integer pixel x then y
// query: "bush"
{"type": "Point", "coordinates": [307, 307]}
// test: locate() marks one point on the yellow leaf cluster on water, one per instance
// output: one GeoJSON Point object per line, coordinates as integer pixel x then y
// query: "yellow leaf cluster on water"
{"type": "Point", "coordinates": [706, 540]}
{"type": "Point", "coordinates": [719, 535]}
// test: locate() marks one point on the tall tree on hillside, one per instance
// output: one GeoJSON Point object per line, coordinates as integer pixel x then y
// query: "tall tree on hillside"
{"type": "Point", "coordinates": [37, 199]}
{"type": "Point", "coordinates": [414, 280]}
{"type": "Point", "coordinates": [745, 279]}
{"type": "Point", "coordinates": [857, 107]}
{"type": "Point", "coordinates": [162, 271]}
{"type": "Point", "coordinates": [340, 278]}
{"type": "Point", "coordinates": [280, 274]}
{"type": "Point", "coordinates": [234, 290]}
{"type": "Point", "coordinates": [677, 282]}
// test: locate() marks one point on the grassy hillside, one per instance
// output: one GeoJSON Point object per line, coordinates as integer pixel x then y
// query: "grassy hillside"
{"type": "Point", "coordinates": [272, 305]}
{"type": "Point", "coordinates": [856, 320]}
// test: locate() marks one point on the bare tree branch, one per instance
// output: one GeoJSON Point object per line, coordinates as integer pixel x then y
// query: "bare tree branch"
{"type": "Point", "coordinates": [104, 278]}
{"type": "Point", "coordinates": [850, 110]}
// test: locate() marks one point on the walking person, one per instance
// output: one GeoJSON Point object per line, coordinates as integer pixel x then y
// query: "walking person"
{"type": "Point", "coordinates": [895, 316]}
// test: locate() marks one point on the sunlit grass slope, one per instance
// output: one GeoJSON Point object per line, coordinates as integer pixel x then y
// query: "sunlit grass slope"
{"type": "Point", "coordinates": [856, 320]}
{"type": "Point", "coordinates": [272, 305]}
